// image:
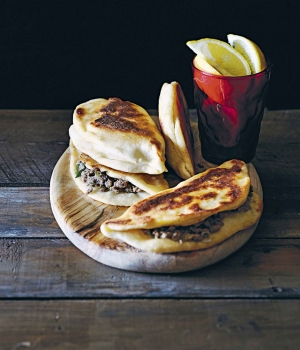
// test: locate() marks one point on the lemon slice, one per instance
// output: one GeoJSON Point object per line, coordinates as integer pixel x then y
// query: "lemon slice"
{"type": "Point", "coordinates": [224, 58]}
{"type": "Point", "coordinates": [250, 51]}
{"type": "Point", "coordinates": [200, 63]}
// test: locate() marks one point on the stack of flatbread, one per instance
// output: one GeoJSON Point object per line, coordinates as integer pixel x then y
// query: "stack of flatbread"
{"type": "Point", "coordinates": [118, 153]}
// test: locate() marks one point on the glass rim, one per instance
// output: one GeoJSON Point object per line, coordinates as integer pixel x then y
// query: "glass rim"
{"type": "Point", "coordinates": [266, 70]}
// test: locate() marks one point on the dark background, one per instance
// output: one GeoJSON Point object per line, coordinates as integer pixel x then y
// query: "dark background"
{"type": "Point", "coordinates": [57, 54]}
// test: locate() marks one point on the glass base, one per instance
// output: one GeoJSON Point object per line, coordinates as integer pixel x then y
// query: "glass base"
{"type": "Point", "coordinates": [217, 155]}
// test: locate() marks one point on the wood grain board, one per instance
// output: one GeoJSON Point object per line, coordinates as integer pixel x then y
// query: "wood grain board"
{"type": "Point", "coordinates": [55, 268]}
{"type": "Point", "coordinates": [80, 218]}
{"type": "Point", "coordinates": [150, 324]}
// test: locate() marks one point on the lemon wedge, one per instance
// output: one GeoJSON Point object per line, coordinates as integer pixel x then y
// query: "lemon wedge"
{"type": "Point", "coordinates": [250, 51]}
{"type": "Point", "coordinates": [221, 56]}
{"type": "Point", "coordinates": [200, 63]}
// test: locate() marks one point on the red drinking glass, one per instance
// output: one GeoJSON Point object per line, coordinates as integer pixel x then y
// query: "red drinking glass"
{"type": "Point", "coordinates": [230, 111]}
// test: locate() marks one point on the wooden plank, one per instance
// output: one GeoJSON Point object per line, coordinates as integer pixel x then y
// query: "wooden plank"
{"type": "Point", "coordinates": [31, 142]}
{"type": "Point", "coordinates": [278, 153]}
{"type": "Point", "coordinates": [150, 324]}
{"type": "Point", "coordinates": [23, 164]}
{"type": "Point", "coordinates": [281, 216]}
{"type": "Point", "coordinates": [54, 268]}
{"type": "Point", "coordinates": [34, 217]}
{"type": "Point", "coordinates": [280, 127]}
{"type": "Point", "coordinates": [26, 212]}
{"type": "Point", "coordinates": [34, 126]}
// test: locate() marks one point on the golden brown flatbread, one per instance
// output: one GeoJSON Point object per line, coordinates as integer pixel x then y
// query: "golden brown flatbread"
{"type": "Point", "coordinates": [233, 222]}
{"type": "Point", "coordinates": [120, 135]}
{"type": "Point", "coordinates": [175, 125]}
{"type": "Point", "coordinates": [138, 185]}
{"type": "Point", "coordinates": [217, 190]}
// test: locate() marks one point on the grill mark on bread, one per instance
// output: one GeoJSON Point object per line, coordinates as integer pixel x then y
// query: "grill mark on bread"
{"type": "Point", "coordinates": [123, 116]}
{"type": "Point", "coordinates": [157, 144]}
{"type": "Point", "coordinates": [117, 106]}
{"type": "Point", "coordinates": [217, 178]}
{"type": "Point", "coordinates": [195, 208]}
{"type": "Point", "coordinates": [116, 122]}
{"type": "Point", "coordinates": [209, 195]}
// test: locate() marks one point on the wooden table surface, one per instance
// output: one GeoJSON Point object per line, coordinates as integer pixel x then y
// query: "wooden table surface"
{"type": "Point", "coordinates": [53, 296]}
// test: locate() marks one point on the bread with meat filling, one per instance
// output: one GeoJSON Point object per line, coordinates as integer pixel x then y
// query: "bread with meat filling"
{"type": "Point", "coordinates": [224, 191]}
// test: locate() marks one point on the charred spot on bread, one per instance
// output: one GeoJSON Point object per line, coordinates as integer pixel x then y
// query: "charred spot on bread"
{"type": "Point", "coordinates": [80, 111]}
{"type": "Point", "coordinates": [120, 115]}
{"type": "Point", "coordinates": [117, 122]}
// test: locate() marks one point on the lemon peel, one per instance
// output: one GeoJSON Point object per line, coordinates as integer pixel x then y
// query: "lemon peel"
{"type": "Point", "coordinates": [250, 51]}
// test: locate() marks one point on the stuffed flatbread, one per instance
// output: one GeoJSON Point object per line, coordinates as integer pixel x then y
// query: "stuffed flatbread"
{"type": "Point", "coordinates": [198, 213]}
{"type": "Point", "coordinates": [112, 186]}
{"type": "Point", "coordinates": [120, 135]}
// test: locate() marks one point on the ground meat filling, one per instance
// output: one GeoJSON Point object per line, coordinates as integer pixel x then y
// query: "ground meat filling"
{"type": "Point", "coordinates": [94, 178]}
{"type": "Point", "coordinates": [197, 232]}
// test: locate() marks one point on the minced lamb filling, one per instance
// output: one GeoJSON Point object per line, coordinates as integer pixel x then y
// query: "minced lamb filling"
{"type": "Point", "coordinates": [94, 178]}
{"type": "Point", "coordinates": [197, 232]}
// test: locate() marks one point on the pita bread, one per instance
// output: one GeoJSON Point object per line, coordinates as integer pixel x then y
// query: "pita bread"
{"type": "Point", "coordinates": [217, 190]}
{"type": "Point", "coordinates": [120, 135]}
{"type": "Point", "coordinates": [148, 184]}
{"type": "Point", "coordinates": [175, 125]}
{"type": "Point", "coordinates": [232, 223]}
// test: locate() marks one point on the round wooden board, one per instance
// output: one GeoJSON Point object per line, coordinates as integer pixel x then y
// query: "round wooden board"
{"type": "Point", "coordinates": [80, 218]}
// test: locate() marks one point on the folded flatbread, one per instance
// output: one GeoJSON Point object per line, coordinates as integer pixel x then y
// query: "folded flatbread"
{"type": "Point", "coordinates": [112, 186]}
{"type": "Point", "coordinates": [175, 125]}
{"type": "Point", "coordinates": [120, 135]}
{"type": "Point", "coordinates": [196, 214]}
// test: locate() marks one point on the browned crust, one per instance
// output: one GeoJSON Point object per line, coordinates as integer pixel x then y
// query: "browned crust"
{"type": "Point", "coordinates": [178, 197]}
{"type": "Point", "coordinates": [217, 178]}
{"type": "Point", "coordinates": [120, 115]}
